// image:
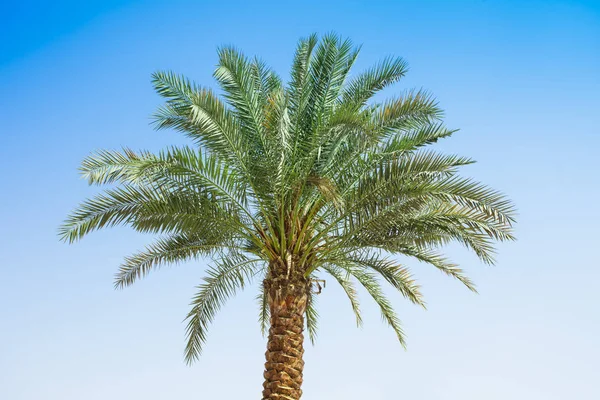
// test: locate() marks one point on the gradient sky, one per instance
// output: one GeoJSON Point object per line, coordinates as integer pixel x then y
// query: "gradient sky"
{"type": "Point", "coordinates": [522, 81]}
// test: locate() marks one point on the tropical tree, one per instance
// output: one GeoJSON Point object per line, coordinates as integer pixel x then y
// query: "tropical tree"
{"type": "Point", "coordinates": [287, 183]}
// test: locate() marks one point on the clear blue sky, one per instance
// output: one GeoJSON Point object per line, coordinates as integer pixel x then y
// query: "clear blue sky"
{"type": "Point", "coordinates": [522, 81]}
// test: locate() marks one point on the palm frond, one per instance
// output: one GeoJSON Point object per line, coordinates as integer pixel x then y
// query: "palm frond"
{"type": "Point", "coordinates": [172, 249]}
{"type": "Point", "coordinates": [115, 207]}
{"type": "Point", "coordinates": [264, 311]}
{"type": "Point", "coordinates": [441, 263]}
{"type": "Point", "coordinates": [364, 86]}
{"type": "Point", "coordinates": [397, 276]}
{"type": "Point", "coordinates": [369, 281]}
{"type": "Point", "coordinates": [343, 278]}
{"type": "Point", "coordinates": [199, 114]}
{"type": "Point", "coordinates": [223, 280]}
{"type": "Point", "coordinates": [177, 189]}
{"type": "Point", "coordinates": [312, 317]}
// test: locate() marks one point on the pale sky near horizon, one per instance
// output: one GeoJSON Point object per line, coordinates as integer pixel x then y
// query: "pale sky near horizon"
{"type": "Point", "coordinates": [521, 79]}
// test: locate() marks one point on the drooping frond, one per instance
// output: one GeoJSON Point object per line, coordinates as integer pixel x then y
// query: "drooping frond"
{"type": "Point", "coordinates": [397, 276]}
{"type": "Point", "coordinates": [229, 275]}
{"type": "Point", "coordinates": [312, 317]}
{"type": "Point", "coordinates": [441, 263]}
{"type": "Point", "coordinates": [369, 281]}
{"type": "Point", "coordinates": [343, 278]}
{"type": "Point", "coordinates": [264, 312]}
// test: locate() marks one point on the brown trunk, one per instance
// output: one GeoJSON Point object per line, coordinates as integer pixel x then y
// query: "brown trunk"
{"type": "Point", "coordinates": [284, 364]}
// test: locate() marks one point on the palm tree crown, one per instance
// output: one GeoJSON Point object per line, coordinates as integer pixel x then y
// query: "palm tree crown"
{"type": "Point", "coordinates": [287, 182]}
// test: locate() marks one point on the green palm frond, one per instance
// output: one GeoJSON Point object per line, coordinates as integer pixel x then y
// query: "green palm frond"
{"type": "Point", "coordinates": [364, 86]}
{"type": "Point", "coordinates": [175, 190]}
{"type": "Point", "coordinates": [264, 312]}
{"type": "Point", "coordinates": [413, 109]}
{"type": "Point", "coordinates": [169, 250]}
{"type": "Point", "coordinates": [123, 205]}
{"type": "Point", "coordinates": [441, 263]}
{"type": "Point", "coordinates": [397, 276]}
{"type": "Point", "coordinates": [312, 317]}
{"type": "Point", "coordinates": [105, 166]}
{"type": "Point", "coordinates": [178, 168]}
{"type": "Point", "coordinates": [238, 77]}
{"type": "Point", "coordinates": [200, 115]}
{"type": "Point", "coordinates": [229, 275]}
{"type": "Point", "coordinates": [369, 281]}
{"type": "Point", "coordinates": [343, 278]}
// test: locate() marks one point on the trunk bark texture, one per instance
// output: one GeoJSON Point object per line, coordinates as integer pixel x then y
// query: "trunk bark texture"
{"type": "Point", "coordinates": [284, 364]}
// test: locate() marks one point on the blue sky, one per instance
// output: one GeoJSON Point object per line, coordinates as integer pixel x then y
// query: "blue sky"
{"type": "Point", "coordinates": [521, 81]}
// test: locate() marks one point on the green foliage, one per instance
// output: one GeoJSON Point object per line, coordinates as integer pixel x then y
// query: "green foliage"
{"type": "Point", "coordinates": [313, 171]}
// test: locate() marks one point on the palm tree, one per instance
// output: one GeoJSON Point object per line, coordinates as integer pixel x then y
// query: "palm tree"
{"type": "Point", "coordinates": [287, 183]}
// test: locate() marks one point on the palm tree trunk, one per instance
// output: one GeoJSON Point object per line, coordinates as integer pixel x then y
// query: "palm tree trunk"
{"type": "Point", "coordinates": [284, 363]}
